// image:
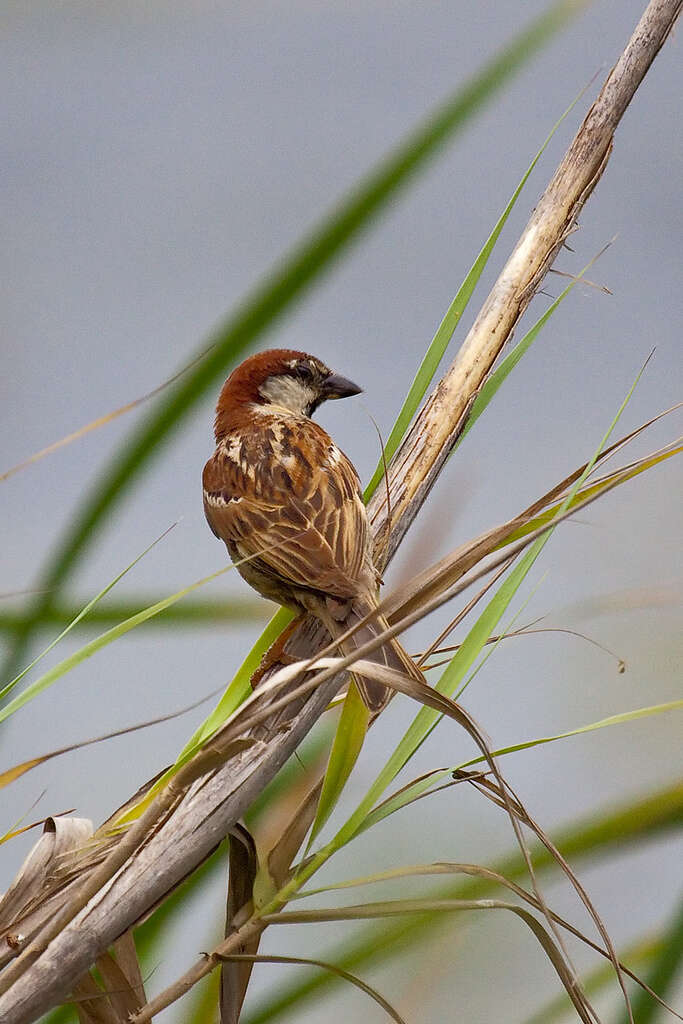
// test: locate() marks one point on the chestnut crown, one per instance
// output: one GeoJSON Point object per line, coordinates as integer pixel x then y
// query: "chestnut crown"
{"type": "Point", "coordinates": [284, 379]}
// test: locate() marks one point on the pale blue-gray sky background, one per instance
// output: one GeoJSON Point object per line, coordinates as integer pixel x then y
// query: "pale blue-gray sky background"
{"type": "Point", "coordinates": [155, 163]}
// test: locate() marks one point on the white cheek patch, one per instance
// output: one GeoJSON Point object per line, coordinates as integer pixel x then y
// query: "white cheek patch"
{"type": "Point", "coordinates": [289, 393]}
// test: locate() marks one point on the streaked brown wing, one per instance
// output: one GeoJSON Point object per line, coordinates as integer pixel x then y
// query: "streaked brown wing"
{"type": "Point", "coordinates": [299, 519]}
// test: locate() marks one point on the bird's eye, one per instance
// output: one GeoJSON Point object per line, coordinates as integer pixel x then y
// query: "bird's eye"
{"type": "Point", "coordinates": [304, 372]}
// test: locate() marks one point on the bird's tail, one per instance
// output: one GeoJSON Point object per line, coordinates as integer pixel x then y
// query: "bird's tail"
{"type": "Point", "coordinates": [391, 654]}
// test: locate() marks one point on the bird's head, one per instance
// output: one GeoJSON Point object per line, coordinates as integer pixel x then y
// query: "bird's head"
{"type": "Point", "coordinates": [281, 378]}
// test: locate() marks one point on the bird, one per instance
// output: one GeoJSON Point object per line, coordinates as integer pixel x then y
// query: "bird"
{"type": "Point", "coordinates": [287, 503]}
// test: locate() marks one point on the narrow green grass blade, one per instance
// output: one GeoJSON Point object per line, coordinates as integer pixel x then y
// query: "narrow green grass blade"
{"type": "Point", "coordinates": [603, 723]}
{"type": "Point", "coordinates": [266, 304]}
{"type": "Point", "coordinates": [405, 796]}
{"type": "Point", "coordinates": [78, 618]}
{"type": "Point", "coordinates": [495, 380]}
{"type": "Point", "coordinates": [491, 648]}
{"type": "Point", "coordinates": [437, 348]}
{"type": "Point", "coordinates": [428, 870]}
{"type": "Point", "coordinates": [348, 741]}
{"type": "Point", "coordinates": [217, 612]}
{"type": "Point", "coordinates": [423, 785]}
{"type": "Point", "coordinates": [64, 666]}
{"type": "Point", "coordinates": [608, 832]}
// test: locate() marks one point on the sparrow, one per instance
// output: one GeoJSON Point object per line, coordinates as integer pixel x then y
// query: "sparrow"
{"type": "Point", "coordinates": [287, 503]}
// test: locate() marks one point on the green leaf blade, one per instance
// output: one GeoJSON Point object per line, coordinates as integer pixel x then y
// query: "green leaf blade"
{"type": "Point", "coordinates": [83, 653]}
{"type": "Point", "coordinates": [347, 745]}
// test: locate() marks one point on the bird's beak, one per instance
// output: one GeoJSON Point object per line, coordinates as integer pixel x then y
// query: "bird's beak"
{"type": "Point", "coordinates": [335, 386]}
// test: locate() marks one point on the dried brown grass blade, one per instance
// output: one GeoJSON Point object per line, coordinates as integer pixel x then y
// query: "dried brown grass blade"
{"type": "Point", "coordinates": [309, 962]}
{"type": "Point", "coordinates": [613, 449]}
{"type": "Point", "coordinates": [285, 849]}
{"type": "Point", "coordinates": [118, 988]}
{"type": "Point", "coordinates": [462, 614]}
{"type": "Point", "coordinates": [584, 280]}
{"type": "Point", "coordinates": [393, 908]}
{"type": "Point", "coordinates": [100, 421]}
{"type": "Point", "coordinates": [91, 1006]}
{"type": "Point", "coordinates": [235, 974]}
{"type": "Point", "coordinates": [445, 573]}
{"type": "Point", "coordinates": [12, 774]}
{"type": "Point", "coordinates": [526, 631]}
{"type": "Point", "coordinates": [477, 871]}
{"type": "Point", "coordinates": [494, 791]}
{"type": "Point", "coordinates": [127, 959]}
{"type": "Point", "coordinates": [60, 837]}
